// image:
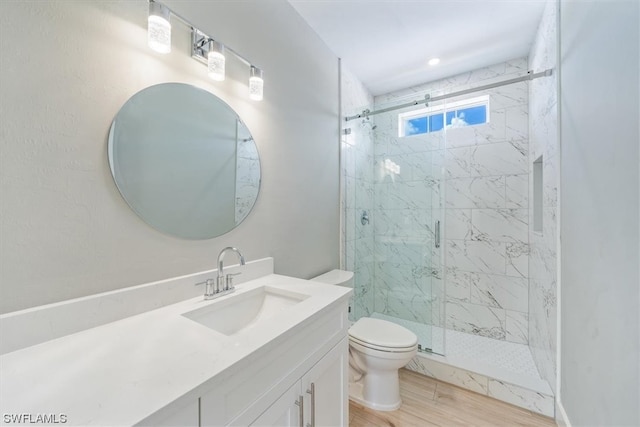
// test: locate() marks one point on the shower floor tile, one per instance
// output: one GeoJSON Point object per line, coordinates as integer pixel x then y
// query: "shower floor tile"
{"type": "Point", "coordinates": [493, 358]}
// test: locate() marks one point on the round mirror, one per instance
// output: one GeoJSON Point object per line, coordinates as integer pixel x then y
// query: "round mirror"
{"type": "Point", "coordinates": [184, 161]}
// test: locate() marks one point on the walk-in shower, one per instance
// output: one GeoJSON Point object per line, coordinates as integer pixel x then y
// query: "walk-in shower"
{"type": "Point", "coordinates": [441, 172]}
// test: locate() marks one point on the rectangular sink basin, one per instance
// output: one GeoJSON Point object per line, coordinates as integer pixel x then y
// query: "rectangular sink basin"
{"type": "Point", "coordinates": [241, 311]}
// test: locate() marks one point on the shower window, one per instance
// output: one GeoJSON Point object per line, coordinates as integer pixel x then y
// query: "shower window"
{"type": "Point", "coordinates": [468, 112]}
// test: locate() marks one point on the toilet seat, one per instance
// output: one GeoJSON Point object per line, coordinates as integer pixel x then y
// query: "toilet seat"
{"type": "Point", "coordinates": [372, 348]}
{"type": "Point", "coordinates": [381, 335]}
{"type": "Point", "coordinates": [390, 354]}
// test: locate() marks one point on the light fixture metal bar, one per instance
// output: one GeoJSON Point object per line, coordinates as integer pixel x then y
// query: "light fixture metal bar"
{"type": "Point", "coordinates": [529, 76]}
{"type": "Point", "coordinates": [194, 31]}
{"type": "Point", "coordinates": [200, 47]}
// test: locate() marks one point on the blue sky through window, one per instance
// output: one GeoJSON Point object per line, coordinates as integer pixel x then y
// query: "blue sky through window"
{"type": "Point", "coordinates": [436, 122]}
{"type": "Point", "coordinates": [467, 116]}
{"type": "Point", "coordinates": [455, 115]}
{"type": "Point", "coordinates": [416, 126]}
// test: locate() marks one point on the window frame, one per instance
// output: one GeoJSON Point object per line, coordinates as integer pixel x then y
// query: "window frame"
{"type": "Point", "coordinates": [443, 109]}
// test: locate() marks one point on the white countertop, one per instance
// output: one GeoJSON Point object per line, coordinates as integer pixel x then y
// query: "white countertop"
{"type": "Point", "coordinates": [122, 372]}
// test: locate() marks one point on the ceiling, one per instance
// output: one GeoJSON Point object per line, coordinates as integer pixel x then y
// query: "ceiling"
{"type": "Point", "coordinates": [387, 43]}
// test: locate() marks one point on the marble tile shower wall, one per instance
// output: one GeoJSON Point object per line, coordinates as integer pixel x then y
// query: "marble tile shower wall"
{"type": "Point", "coordinates": [486, 212]}
{"type": "Point", "coordinates": [544, 142]}
{"type": "Point", "coordinates": [407, 204]}
{"type": "Point", "coordinates": [357, 195]}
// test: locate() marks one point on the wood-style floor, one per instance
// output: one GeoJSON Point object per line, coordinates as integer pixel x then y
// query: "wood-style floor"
{"type": "Point", "coordinates": [429, 402]}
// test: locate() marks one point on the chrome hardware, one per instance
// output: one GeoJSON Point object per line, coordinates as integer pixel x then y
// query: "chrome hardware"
{"type": "Point", "coordinates": [209, 288]}
{"type": "Point", "coordinates": [422, 349]}
{"type": "Point", "coordinates": [364, 218]}
{"type": "Point", "coordinates": [210, 291]}
{"type": "Point", "coordinates": [300, 403]}
{"type": "Point", "coordinates": [221, 264]}
{"type": "Point", "coordinates": [312, 392]}
{"type": "Point", "coordinates": [221, 285]}
{"type": "Point", "coordinates": [229, 281]}
{"type": "Point", "coordinates": [438, 234]}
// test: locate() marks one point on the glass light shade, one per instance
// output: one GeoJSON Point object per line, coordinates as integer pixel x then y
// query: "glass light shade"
{"type": "Point", "coordinates": [216, 61]}
{"type": "Point", "coordinates": [159, 28]}
{"type": "Point", "coordinates": [256, 84]}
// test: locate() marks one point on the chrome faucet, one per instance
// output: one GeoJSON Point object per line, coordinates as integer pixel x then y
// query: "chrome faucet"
{"type": "Point", "coordinates": [223, 285]}
{"type": "Point", "coordinates": [226, 283]}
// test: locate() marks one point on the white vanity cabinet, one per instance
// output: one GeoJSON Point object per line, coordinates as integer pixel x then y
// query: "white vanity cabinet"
{"type": "Point", "coordinates": [265, 388]}
{"type": "Point", "coordinates": [168, 368]}
{"type": "Point", "coordinates": [319, 398]}
{"type": "Point", "coordinates": [326, 386]}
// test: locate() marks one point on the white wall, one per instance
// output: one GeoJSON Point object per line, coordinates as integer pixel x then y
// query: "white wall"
{"type": "Point", "coordinates": [600, 180]}
{"type": "Point", "coordinates": [67, 68]}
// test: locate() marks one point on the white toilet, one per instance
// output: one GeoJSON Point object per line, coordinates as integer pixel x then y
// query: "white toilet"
{"type": "Point", "coordinates": [377, 349]}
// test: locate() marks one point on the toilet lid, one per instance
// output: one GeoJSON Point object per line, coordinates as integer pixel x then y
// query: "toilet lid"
{"type": "Point", "coordinates": [382, 333]}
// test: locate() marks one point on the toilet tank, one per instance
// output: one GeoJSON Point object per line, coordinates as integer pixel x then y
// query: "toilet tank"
{"type": "Point", "coordinates": [336, 277]}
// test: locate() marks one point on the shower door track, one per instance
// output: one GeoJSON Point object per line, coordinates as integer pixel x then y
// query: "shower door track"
{"type": "Point", "coordinates": [427, 98]}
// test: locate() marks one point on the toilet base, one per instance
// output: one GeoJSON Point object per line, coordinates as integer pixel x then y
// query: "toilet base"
{"type": "Point", "coordinates": [356, 395]}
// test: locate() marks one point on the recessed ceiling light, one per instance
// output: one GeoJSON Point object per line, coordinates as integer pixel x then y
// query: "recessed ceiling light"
{"type": "Point", "coordinates": [434, 61]}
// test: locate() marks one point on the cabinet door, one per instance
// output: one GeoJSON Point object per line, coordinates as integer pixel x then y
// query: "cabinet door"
{"type": "Point", "coordinates": [326, 389]}
{"type": "Point", "coordinates": [285, 412]}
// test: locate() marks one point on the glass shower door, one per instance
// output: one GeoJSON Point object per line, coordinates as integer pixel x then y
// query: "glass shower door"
{"type": "Point", "coordinates": [408, 226]}
{"type": "Point", "coordinates": [393, 224]}
{"type": "Point", "coordinates": [358, 199]}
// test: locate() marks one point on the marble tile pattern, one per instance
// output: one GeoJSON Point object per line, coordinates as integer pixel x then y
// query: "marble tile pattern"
{"type": "Point", "coordinates": [503, 356]}
{"type": "Point", "coordinates": [529, 399]}
{"type": "Point", "coordinates": [503, 370]}
{"type": "Point", "coordinates": [475, 181]}
{"type": "Point", "coordinates": [408, 272]}
{"type": "Point", "coordinates": [523, 397]}
{"type": "Point", "coordinates": [543, 246]}
{"type": "Point", "coordinates": [519, 396]}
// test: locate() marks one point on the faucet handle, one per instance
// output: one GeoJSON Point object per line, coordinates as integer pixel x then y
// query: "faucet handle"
{"type": "Point", "coordinates": [209, 289]}
{"type": "Point", "coordinates": [229, 280]}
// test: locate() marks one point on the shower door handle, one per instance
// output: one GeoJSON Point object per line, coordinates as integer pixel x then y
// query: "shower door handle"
{"type": "Point", "coordinates": [437, 232]}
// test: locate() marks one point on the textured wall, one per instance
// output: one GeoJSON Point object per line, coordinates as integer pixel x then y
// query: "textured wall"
{"type": "Point", "coordinates": [66, 231]}
{"type": "Point", "coordinates": [599, 212]}
{"type": "Point", "coordinates": [543, 141]}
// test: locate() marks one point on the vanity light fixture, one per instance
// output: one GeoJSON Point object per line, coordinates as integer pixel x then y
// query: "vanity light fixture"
{"type": "Point", "coordinates": [213, 54]}
{"type": "Point", "coordinates": [256, 84]}
{"type": "Point", "coordinates": [205, 49]}
{"type": "Point", "coordinates": [216, 61]}
{"type": "Point", "coordinates": [159, 27]}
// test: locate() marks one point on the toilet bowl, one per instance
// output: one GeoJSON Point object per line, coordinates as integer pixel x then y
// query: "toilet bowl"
{"type": "Point", "coordinates": [377, 349]}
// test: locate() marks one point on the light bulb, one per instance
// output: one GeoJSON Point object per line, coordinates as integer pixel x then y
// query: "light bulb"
{"type": "Point", "coordinates": [216, 61]}
{"type": "Point", "coordinates": [159, 29]}
{"type": "Point", "coordinates": [256, 84]}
